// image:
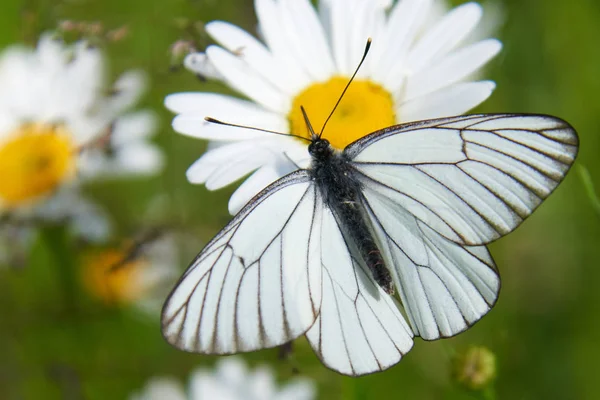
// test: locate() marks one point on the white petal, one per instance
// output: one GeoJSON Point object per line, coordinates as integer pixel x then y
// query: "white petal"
{"type": "Point", "coordinates": [255, 54]}
{"type": "Point", "coordinates": [128, 89]}
{"type": "Point", "coordinates": [199, 64]}
{"type": "Point", "coordinates": [226, 164]}
{"type": "Point", "coordinates": [369, 22]}
{"type": "Point", "coordinates": [160, 389]}
{"type": "Point", "coordinates": [256, 182]}
{"type": "Point", "coordinates": [403, 25]}
{"type": "Point", "coordinates": [443, 37]}
{"type": "Point", "coordinates": [133, 127]}
{"type": "Point", "coordinates": [341, 29]}
{"type": "Point", "coordinates": [307, 38]}
{"type": "Point", "coordinates": [231, 372]}
{"type": "Point", "coordinates": [300, 389]}
{"type": "Point", "coordinates": [195, 106]}
{"type": "Point", "coordinates": [453, 100]}
{"type": "Point", "coordinates": [86, 73]}
{"type": "Point", "coordinates": [379, 20]}
{"type": "Point", "coordinates": [246, 81]}
{"type": "Point", "coordinates": [138, 159]}
{"type": "Point", "coordinates": [270, 24]}
{"type": "Point", "coordinates": [451, 69]}
{"type": "Point", "coordinates": [199, 128]}
{"type": "Point", "coordinates": [205, 386]}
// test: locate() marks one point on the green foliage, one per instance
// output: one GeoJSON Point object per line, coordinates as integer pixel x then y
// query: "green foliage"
{"type": "Point", "coordinates": [544, 329]}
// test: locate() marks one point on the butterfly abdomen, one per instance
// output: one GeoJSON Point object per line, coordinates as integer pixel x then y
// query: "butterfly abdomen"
{"type": "Point", "coordinates": [341, 192]}
{"type": "Point", "coordinates": [350, 216]}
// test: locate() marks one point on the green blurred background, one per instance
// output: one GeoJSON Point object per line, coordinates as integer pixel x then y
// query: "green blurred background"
{"type": "Point", "coordinates": [544, 330]}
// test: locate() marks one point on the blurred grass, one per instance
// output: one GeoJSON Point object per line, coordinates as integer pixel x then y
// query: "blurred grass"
{"type": "Point", "coordinates": [544, 328]}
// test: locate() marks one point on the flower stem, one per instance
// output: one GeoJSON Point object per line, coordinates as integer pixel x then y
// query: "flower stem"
{"type": "Point", "coordinates": [59, 247]}
{"type": "Point", "coordinates": [588, 184]}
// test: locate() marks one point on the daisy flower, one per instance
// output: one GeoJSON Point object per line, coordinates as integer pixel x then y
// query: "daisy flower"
{"type": "Point", "coordinates": [230, 381]}
{"type": "Point", "coordinates": [134, 273]}
{"type": "Point", "coordinates": [62, 124]}
{"type": "Point", "coordinates": [418, 68]}
{"type": "Point", "coordinates": [57, 116]}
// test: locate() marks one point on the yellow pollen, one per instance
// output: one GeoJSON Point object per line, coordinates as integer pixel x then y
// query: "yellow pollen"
{"type": "Point", "coordinates": [365, 108]}
{"type": "Point", "coordinates": [109, 276]}
{"type": "Point", "coordinates": [34, 161]}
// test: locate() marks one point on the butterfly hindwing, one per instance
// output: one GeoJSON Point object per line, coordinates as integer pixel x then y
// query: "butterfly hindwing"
{"type": "Point", "coordinates": [360, 329]}
{"type": "Point", "coordinates": [258, 283]}
{"type": "Point", "coordinates": [444, 287]}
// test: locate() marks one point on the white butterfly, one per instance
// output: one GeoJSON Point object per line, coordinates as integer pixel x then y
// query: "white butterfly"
{"type": "Point", "coordinates": [406, 209]}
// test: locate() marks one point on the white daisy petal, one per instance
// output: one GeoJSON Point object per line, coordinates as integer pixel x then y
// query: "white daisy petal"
{"type": "Point", "coordinates": [269, 19]}
{"type": "Point", "coordinates": [405, 21]}
{"type": "Point", "coordinates": [324, 14]}
{"type": "Point", "coordinates": [378, 22]}
{"type": "Point", "coordinates": [199, 64]}
{"type": "Point", "coordinates": [229, 380]}
{"type": "Point", "coordinates": [139, 159]}
{"type": "Point", "coordinates": [307, 38]}
{"type": "Point", "coordinates": [195, 106]}
{"type": "Point", "coordinates": [198, 127]}
{"type": "Point", "coordinates": [369, 22]}
{"type": "Point", "coordinates": [451, 69]}
{"type": "Point", "coordinates": [254, 53]}
{"type": "Point", "coordinates": [259, 180]}
{"type": "Point", "coordinates": [230, 172]}
{"type": "Point", "coordinates": [453, 100]}
{"type": "Point", "coordinates": [133, 127]}
{"type": "Point", "coordinates": [160, 389]}
{"type": "Point", "coordinates": [261, 384]}
{"type": "Point", "coordinates": [127, 90]}
{"type": "Point", "coordinates": [299, 390]}
{"type": "Point", "coordinates": [341, 29]}
{"type": "Point", "coordinates": [443, 37]}
{"type": "Point", "coordinates": [240, 153]}
{"type": "Point", "coordinates": [86, 73]}
{"type": "Point", "coordinates": [247, 81]}
{"type": "Point", "coordinates": [51, 53]}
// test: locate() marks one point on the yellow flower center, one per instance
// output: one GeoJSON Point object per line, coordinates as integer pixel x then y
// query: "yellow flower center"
{"type": "Point", "coordinates": [365, 108]}
{"type": "Point", "coordinates": [34, 161]}
{"type": "Point", "coordinates": [111, 277]}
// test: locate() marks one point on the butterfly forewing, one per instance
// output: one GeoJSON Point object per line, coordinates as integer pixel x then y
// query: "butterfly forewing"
{"type": "Point", "coordinates": [472, 178]}
{"type": "Point", "coordinates": [258, 283]}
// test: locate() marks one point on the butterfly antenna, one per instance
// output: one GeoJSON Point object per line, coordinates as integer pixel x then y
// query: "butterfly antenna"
{"type": "Point", "coordinates": [367, 47]}
{"type": "Point", "coordinates": [216, 121]}
{"type": "Point", "coordinates": [313, 135]}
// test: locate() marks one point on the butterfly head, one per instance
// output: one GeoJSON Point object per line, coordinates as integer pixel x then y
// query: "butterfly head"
{"type": "Point", "coordinates": [320, 148]}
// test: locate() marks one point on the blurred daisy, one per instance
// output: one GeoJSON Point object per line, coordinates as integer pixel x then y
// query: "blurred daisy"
{"type": "Point", "coordinates": [60, 125]}
{"type": "Point", "coordinates": [230, 381]}
{"type": "Point", "coordinates": [139, 273]}
{"type": "Point", "coordinates": [416, 69]}
{"type": "Point", "coordinates": [59, 121]}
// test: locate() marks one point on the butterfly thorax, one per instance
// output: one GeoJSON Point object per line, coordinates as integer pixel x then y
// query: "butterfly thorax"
{"type": "Point", "coordinates": [336, 180]}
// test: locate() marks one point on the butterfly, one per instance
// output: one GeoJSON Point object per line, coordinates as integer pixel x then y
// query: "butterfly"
{"type": "Point", "coordinates": [373, 245]}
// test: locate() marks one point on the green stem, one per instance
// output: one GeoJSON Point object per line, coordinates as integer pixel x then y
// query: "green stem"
{"type": "Point", "coordinates": [59, 247]}
{"type": "Point", "coordinates": [589, 188]}
{"type": "Point", "coordinates": [489, 393]}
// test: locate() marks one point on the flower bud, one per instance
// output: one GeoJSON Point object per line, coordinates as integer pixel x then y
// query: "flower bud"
{"type": "Point", "coordinates": [475, 368]}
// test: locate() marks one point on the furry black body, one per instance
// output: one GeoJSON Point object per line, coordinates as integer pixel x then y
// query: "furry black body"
{"type": "Point", "coordinates": [341, 191]}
